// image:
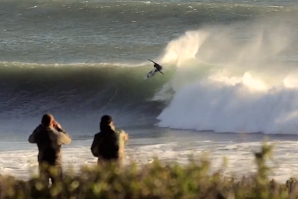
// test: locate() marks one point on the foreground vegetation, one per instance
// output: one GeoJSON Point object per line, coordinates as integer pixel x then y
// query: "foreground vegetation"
{"type": "Point", "coordinates": [154, 181]}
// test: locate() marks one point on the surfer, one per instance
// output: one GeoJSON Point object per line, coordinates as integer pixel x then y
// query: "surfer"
{"type": "Point", "coordinates": [157, 66]}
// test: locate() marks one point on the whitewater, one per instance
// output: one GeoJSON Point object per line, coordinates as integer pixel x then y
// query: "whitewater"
{"type": "Point", "coordinates": [225, 86]}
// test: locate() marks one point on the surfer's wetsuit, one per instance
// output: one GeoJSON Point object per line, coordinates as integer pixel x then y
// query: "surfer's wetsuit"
{"type": "Point", "coordinates": [158, 68]}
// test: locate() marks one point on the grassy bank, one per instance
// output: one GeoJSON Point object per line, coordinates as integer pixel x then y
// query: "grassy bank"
{"type": "Point", "coordinates": [154, 181]}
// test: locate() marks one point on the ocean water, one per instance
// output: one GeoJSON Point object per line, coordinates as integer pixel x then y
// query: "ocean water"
{"type": "Point", "coordinates": [230, 78]}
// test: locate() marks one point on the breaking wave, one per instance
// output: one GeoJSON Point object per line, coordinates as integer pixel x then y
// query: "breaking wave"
{"type": "Point", "coordinates": [233, 85]}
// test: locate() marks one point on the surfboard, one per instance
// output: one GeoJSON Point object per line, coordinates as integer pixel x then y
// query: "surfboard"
{"type": "Point", "coordinates": [150, 74]}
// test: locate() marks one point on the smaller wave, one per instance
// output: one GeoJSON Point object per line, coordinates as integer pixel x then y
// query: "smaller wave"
{"type": "Point", "coordinates": [102, 64]}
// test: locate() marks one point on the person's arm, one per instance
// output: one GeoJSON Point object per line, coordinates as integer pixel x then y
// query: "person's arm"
{"type": "Point", "coordinates": [124, 135]}
{"type": "Point", "coordinates": [94, 146]}
{"type": "Point", "coordinates": [32, 138]}
{"type": "Point", "coordinates": [63, 137]}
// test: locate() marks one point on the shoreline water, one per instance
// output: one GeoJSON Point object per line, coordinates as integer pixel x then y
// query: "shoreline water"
{"type": "Point", "coordinates": [170, 146]}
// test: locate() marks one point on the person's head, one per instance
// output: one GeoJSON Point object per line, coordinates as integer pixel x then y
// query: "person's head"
{"type": "Point", "coordinates": [106, 123]}
{"type": "Point", "coordinates": [48, 120]}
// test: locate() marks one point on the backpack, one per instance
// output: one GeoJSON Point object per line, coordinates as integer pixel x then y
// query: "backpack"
{"type": "Point", "coordinates": [108, 147]}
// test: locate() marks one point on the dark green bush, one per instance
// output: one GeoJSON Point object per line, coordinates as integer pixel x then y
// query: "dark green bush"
{"type": "Point", "coordinates": [153, 181]}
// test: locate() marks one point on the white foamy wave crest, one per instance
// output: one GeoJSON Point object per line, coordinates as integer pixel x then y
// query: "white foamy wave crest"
{"type": "Point", "coordinates": [184, 48]}
{"type": "Point", "coordinates": [230, 82]}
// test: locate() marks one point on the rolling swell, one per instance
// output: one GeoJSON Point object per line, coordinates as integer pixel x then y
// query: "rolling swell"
{"type": "Point", "coordinates": [78, 32]}
{"type": "Point", "coordinates": [30, 89]}
{"type": "Point", "coordinates": [72, 13]}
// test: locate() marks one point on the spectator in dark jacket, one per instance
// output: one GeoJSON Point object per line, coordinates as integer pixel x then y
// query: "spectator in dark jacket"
{"type": "Point", "coordinates": [49, 137]}
{"type": "Point", "coordinates": [108, 144]}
